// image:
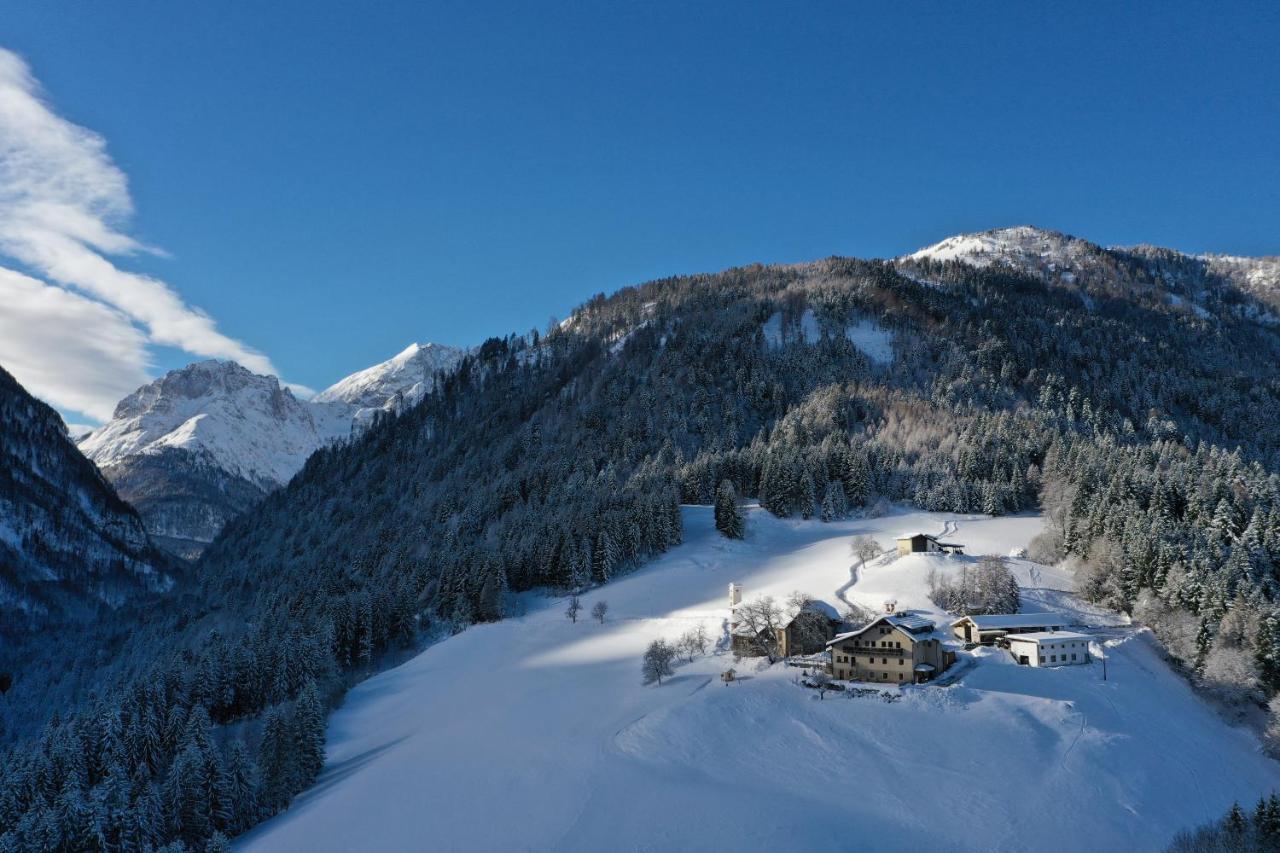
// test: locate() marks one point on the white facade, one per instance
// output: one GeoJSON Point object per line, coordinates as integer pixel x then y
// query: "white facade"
{"type": "Point", "coordinates": [1049, 648]}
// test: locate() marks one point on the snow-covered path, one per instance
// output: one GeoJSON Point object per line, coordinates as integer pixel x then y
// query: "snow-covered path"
{"type": "Point", "coordinates": [536, 734]}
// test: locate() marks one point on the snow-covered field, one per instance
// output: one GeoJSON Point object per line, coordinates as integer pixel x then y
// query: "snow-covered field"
{"type": "Point", "coordinates": [536, 733]}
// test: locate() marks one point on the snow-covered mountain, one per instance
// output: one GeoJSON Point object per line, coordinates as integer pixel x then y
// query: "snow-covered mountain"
{"type": "Point", "coordinates": [1023, 246]}
{"type": "Point", "coordinates": [201, 444]}
{"type": "Point", "coordinates": [246, 424]}
{"type": "Point", "coordinates": [391, 386]}
{"type": "Point", "coordinates": [1175, 277]}
{"type": "Point", "coordinates": [68, 544]}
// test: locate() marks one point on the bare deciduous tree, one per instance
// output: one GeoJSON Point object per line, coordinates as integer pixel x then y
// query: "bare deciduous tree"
{"type": "Point", "coordinates": [657, 661]}
{"type": "Point", "coordinates": [865, 548]}
{"type": "Point", "coordinates": [758, 622]}
{"type": "Point", "coordinates": [701, 638]}
{"type": "Point", "coordinates": [693, 642]}
{"type": "Point", "coordinates": [599, 610]}
{"type": "Point", "coordinates": [855, 615]}
{"type": "Point", "coordinates": [574, 608]}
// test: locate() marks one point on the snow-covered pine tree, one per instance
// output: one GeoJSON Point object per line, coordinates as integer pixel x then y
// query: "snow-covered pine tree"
{"type": "Point", "coordinates": [728, 516]}
{"type": "Point", "coordinates": [834, 504]}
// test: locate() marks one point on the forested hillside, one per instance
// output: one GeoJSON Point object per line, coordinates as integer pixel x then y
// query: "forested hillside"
{"type": "Point", "coordinates": [70, 549]}
{"type": "Point", "coordinates": [1147, 431]}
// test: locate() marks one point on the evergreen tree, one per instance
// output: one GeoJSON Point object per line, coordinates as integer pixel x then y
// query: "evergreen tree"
{"type": "Point", "coordinates": [276, 760]}
{"type": "Point", "coordinates": [242, 785]}
{"type": "Point", "coordinates": [309, 733]}
{"type": "Point", "coordinates": [728, 516]}
{"type": "Point", "coordinates": [834, 504]}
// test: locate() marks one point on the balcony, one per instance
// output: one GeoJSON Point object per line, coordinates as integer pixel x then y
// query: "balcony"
{"type": "Point", "coordinates": [868, 651]}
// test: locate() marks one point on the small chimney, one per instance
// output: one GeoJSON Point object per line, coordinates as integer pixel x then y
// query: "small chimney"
{"type": "Point", "coordinates": [735, 595]}
{"type": "Point", "coordinates": [890, 605]}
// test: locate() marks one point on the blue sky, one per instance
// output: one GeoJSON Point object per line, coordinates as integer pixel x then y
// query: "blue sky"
{"type": "Point", "coordinates": [330, 181]}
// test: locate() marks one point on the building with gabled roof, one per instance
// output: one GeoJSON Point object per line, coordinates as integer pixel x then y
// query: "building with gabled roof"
{"type": "Point", "coordinates": [924, 543]}
{"type": "Point", "coordinates": [895, 648]}
{"type": "Point", "coordinates": [802, 634]}
{"type": "Point", "coordinates": [989, 627]}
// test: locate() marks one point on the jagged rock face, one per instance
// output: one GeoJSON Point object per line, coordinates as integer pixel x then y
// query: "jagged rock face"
{"type": "Point", "coordinates": [200, 445]}
{"type": "Point", "coordinates": [68, 543]}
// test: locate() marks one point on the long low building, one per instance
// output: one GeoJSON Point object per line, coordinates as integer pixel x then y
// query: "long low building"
{"type": "Point", "coordinates": [988, 628]}
{"type": "Point", "coordinates": [1049, 648]}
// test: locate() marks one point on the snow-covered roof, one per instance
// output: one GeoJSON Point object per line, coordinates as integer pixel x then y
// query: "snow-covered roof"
{"type": "Point", "coordinates": [1047, 636]}
{"type": "Point", "coordinates": [992, 621]}
{"type": "Point", "coordinates": [929, 536]}
{"type": "Point", "coordinates": [912, 622]}
{"type": "Point", "coordinates": [821, 607]}
{"type": "Point", "coordinates": [925, 667]}
{"type": "Point", "coordinates": [918, 627]}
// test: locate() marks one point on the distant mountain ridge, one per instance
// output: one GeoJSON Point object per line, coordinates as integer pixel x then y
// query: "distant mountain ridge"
{"type": "Point", "coordinates": [392, 385]}
{"type": "Point", "coordinates": [203, 443]}
{"type": "Point", "coordinates": [1064, 259]}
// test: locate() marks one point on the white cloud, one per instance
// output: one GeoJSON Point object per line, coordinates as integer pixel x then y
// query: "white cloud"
{"type": "Point", "coordinates": [73, 352]}
{"type": "Point", "coordinates": [63, 205]}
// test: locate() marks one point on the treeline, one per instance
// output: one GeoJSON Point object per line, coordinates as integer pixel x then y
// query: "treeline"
{"type": "Point", "coordinates": [1187, 540]}
{"type": "Point", "coordinates": [147, 773]}
{"type": "Point", "coordinates": [1237, 832]}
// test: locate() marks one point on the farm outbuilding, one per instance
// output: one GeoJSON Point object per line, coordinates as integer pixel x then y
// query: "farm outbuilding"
{"type": "Point", "coordinates": [988, 628]}
{"type": "Point", "coordinates": [923, 543]}
{"type": "Point", "coordinates": [1048, 648]}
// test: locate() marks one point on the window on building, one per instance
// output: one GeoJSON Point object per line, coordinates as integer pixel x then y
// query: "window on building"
{"type": "Point", "coordinates": [1073, 655]}
{"type": "Point", "coordinates": [1042, 660]}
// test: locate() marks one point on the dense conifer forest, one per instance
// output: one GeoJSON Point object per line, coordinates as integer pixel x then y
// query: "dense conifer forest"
{"type": "Point", "coordinates": [558, 459]}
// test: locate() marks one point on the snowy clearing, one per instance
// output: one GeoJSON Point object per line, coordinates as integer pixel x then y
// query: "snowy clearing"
{"type": "Point", "coordinates": [536, 734]}
{"type": "Point", "coordinates": [875, 341]}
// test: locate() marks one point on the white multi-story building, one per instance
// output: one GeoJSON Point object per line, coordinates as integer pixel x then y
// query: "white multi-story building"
{"type": "Point", "coordinates": [1049, 648]}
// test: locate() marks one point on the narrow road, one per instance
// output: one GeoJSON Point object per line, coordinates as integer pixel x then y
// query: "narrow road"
{"type": "Point", "coordinates": [853, 578]}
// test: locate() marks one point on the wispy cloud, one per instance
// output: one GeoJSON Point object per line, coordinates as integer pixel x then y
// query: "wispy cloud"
{"type": "Point", "coordinates": [76, 330]}
{"type": "Point", "coordinates": [73, 352]}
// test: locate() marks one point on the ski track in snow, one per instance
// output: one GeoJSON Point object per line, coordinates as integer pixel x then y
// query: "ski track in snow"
{"type": "Point", "coordinates": [536, 734]}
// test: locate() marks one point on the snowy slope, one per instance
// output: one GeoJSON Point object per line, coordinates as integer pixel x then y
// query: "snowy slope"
{"type": "Point", "coordinates": [394, 384]}
{"type": "Point", "coordinates": [1260, 276]}
{"type": "Point", "coordinates": [1064, 259]}
{"type": "Point", "coordinates": [1025, 247]}
{"type": "Point", "coordinates": [872, 339]}
{"type": "Point", "coordinates": [536, 734]}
